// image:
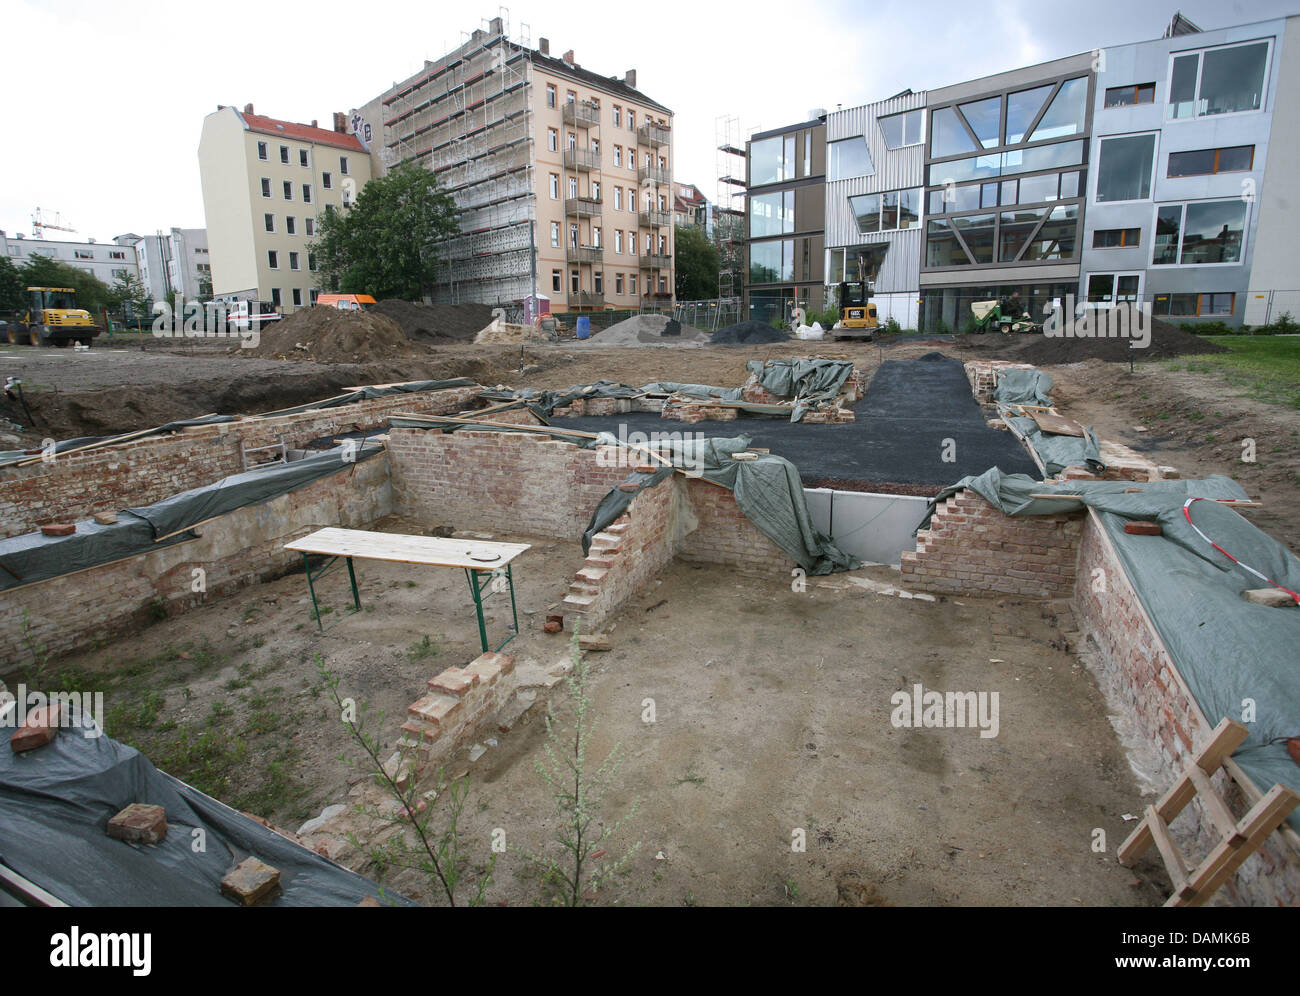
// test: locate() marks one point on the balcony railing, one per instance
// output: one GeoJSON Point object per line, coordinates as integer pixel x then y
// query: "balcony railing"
{"type": "Point", "coordinates": [582, 207]}
{"type": "Point", "coordinates": [581, 159]}
{"type": "Point", "coordinates": [585, 299]}
{"type": "Point", "coordinates": [581, 113]}
{"type": "Point", "coordinates": [584, 254]}
{"type": "Point", "coordinates": [655, 261]}
{"type": "Point", "coordinates": [654, 174]}
{"type": "Point", "coordinates": [654, 219]}
{"type": "Point", "coordinates": [653, 135]}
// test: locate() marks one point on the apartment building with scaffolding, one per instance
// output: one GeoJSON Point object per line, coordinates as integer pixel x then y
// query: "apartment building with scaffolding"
{"type": "Point", "coordinates": [562, 176]}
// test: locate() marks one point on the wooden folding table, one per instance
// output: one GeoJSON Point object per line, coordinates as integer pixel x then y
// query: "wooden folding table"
{"type": "Point", "coordinates": [487, 565]}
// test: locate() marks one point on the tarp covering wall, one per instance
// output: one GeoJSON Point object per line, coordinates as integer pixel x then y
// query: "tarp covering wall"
{"type": "Point", "coordinates": [1228, 650]}
{"type": "Point", "coordinates": [36, 557]}
{"type": "Point", "coordinates": [815, 377]}
{"type": "Point", "coordinates": [545, 402]}
{"type": "Point", "coordinates": [767, 491]}
{"type": "Point", "coordinates": [56, 801]}
{"type": "Point", "coordinates": [1023, 387]}
{"type": "Point", "coordinates": [1058, 451]}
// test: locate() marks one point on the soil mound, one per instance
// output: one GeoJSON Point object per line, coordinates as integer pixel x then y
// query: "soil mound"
{"type": "Point", "coordinates": [1167, 340]}
{"type": "Point", "coordinates": [328, 335]}
{"type": "Point", "coordinates": [438, 324]}
{"type": "Point", "coordinates": [649, 330]}
{"type": "Point", "coordinates": [750, 333]}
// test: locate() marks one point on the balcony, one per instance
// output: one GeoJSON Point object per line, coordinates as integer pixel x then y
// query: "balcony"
{"type": "Point", "coordinates": [581, 114]}
{"type": "Point", "coordinates": [653, 135]}
{"type": "Point", "coordinates": [655, 261]}
{"type": "Point", "coordinates": [654, 219]}
{"type": "Point", "coordinates": [584, 254]}
{"type": "Point", "coordinates": [581, 159]}
{"type": "Point", "coordinates": [582, 207]}
{"type": "Point", "coordinates": [585, 299]}
{"type": "Point", "coordinates": [654, 174]}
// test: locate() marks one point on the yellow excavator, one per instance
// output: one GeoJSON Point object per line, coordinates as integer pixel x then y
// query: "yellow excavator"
{"type": "Point", "coordinates": [857, 313]}
{"type": "Point", "coordinates": [52, 318]}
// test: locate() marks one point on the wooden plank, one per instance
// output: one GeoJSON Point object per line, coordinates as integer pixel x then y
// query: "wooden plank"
{"type": "Point", "coordinates": [1252, 793]}
{"type": "Point", "coordinates": [1230, 502]}
{"type": "Point", "coordinates": [1175, 864]}
{"type": "Point", "coordinates": [1056, 424]}
{"type": "Point", "coordinates": [1222, 862]}
{"type": "Point", "coordinates": [402, 548]}
{"type": "Point", "coordinates": [1227, 737]}
{"type": "Point", "coordinates": [1218, 811]}
{"type": "Point", "coordinates": [26, 891]}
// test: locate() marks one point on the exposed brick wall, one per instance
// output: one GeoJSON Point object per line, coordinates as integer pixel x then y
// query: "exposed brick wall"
{"type": "Point", "coordinates": [238, 549]}
{"type": "Point", "coordinates": [723, 535]}
{"type": "Point", "coordinates": [75, 486]}
{"type": "Point", "coordinates": [1141, 681]}
{"type": "Point", "coordinates": [972, 548]}
{"type": "Point", "coordinates": [499, 481]}
{"type": "Point", "coordinates": [453, 711]}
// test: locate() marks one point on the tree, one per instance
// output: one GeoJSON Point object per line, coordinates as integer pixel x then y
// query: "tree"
{"type": "Point", "coordinates": [13, 295]}
{"type": "Point", "coordinates": [131, 295]}
{"type": "Point", "coordinates": [384, 244]}
{"type": "Point", "coordinates": [92, 293]}
{"type": "Point", "coordinates": [697, 265]}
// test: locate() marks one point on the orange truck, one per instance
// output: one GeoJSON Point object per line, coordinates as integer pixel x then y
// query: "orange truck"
{"type": "Point", "coordinates": [346, 302]}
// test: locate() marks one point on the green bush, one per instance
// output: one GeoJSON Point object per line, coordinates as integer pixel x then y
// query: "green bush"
{"type": "Point", "coordinates": [892, 326]}
{"type": "Point", "coordinates": [1284, 324]}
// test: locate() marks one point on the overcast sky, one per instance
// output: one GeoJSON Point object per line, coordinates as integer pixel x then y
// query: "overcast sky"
{"type": "Point", "coordinates": [104, 101]}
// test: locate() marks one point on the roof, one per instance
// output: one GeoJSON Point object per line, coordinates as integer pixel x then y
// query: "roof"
{"type": "Point", "coordinates": [610, 84]}
{"type": "Point", "coordinates": [301, 132]}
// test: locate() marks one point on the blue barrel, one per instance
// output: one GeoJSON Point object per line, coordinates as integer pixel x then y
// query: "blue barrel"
{"type": "Point", "coordinates": [584, 327]}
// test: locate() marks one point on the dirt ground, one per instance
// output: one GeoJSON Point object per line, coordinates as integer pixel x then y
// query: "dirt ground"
{"type": "Point", "coordinates": [763, 727]}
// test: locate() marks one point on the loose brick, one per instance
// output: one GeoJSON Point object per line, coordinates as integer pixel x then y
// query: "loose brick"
{"type": "Point", "coordinates": [251, 882]}
{"type": "Point", "coordinates": [139, 823]}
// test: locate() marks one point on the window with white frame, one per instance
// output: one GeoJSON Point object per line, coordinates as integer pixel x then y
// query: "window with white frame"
{"type": "Point", "coordinates": [273, 259]}
{"type": "Point", "coordinates": [553, 139]}
{"type": "Point", "coordinates": [261, 151]}
{"type": "Point", "coordinates": [618, 155]}
{"type": "Point", "coordinates": [302, 157]}
{"type": "Point", "coordinates": [573, 186]}
{"type": "Point", "coordinates": [618, 198]}
{"type": "Point", "coordinates": [1199, 233]}
{"type": "Point", "coordinates": [618, 240]}
{"type": "Point", "coordinates": [555, 186]}
{"type": "Point", "coordinates": [555, 235]}
{"type": "Point", "coordinates": [293, 261]}
{"type": "Point", "coordinates": [901, 129]}
{"type": "Point", "coordinates": [1124, 167]}
{"type": "Point", "coordinates": [550, 95]}
{"type": "Point", "coordinates": [297, 297]}
{"type": "Point", "coordinates": [290, 225]}
{"type": "Point", "coordinates": [1224, 80]}
{"type": "Point", "coordinates": [1105, 290]}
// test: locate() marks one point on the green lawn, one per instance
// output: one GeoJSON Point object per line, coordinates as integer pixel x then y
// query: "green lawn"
{"type": "Point", "coordinates": [1262, 367]}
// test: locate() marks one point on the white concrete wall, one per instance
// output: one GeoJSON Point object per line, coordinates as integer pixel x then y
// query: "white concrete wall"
{"type": "Point", "coordinates": [870, 526]}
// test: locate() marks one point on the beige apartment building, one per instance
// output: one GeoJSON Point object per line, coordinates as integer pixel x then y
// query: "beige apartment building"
{"type": "Point", "coordinates": [562, 176]}
{"type": "Point", "coordinates": [266, 182]}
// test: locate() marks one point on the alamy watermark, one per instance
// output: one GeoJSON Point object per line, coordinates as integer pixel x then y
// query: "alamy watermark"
{"type": "Point", "coordinates": [920, 709]}
{"type": "Point", "coordinates": [685, 450]}
{"type": "Point", "coordinates": [195, 320]}
{"type": "Point", "coordinates": [74, 709]}
{"type": "Point", "coordinates": [1074, 322]}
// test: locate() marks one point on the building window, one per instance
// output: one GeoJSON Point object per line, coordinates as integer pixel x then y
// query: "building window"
{"type": "Point", "coordinates": [573, 186]}
{"type": "Point", "coordinates": [618, 283]}
{"type": "Point", "coordinates": [309, 225]}
{"type": "Point", "coordinates": [302, 159]}
{"type": "Point", "coordinates": [595, 190]}
{"type": "Point", "coordinates": [618, 116]}
{"type": "Point", "coordinates": [82, 254]}
{"type": "Point", "coordinates": [273, 259]}
{"type": "Point", "coordinates": [550, 94]}
{"type": "Point", "coordinates": [288, 190]}
{"type": "Point", "coordinates": [327, 181]}
{"type": "Point", "coordinates": [595, 236]}
{"type": "Point", "coordinates": [631, 126]}
{"type": "Point", "coordinates": [618, 155]}
{"type": "Point", "coordinates": [117, 255]}
{"type": "Point", "coordinates": [771, 160]}
{"type": "Point", "coordinates": [269, 220]}
{"type": "Point", "coordinates": [556, 282]}
{"type": "Point", "coordinates": [266, 186]}
{"type": "Point", "coordinates": [901, 129]}
{"type": "Point", "coordinates": [618, 240]}
{"type": "Point", "coordinates": [261, 151]}
{"type": "Point", "coordinates": [631, 279]}
{"type": "Point", "coordinates": [284, 154]}
{"type": "Point", "coordinates": [555, 186]}
{"type": "Point", "coordinates": [1124, 169]}
{"type": "Point", "coordinates": [663, 286]}
{"type": "Point", "coordinates": [1194, 305]}
{"type": "Point", "coordinates": [1110, 289]}
{"type": "Point", "coordinates": [555, 235]}
{"type": "Point", "coordinates": [293, 261]}
{"type": "Point", "coordinates": [571, 140]}
{"type": "Point", "coordinates": [306, 193]}
{"type": "Point", "coordinates": [1206, 162]}
{"type": "Point", "coordinates": [573, 234]}
{"type": "Point", "coordinates": [312, 295]}
{"type": "Point", "coordinates": [771, 214]}
{"type": "Point", "coordinates": [290, 225]}
{"type": "Point", "coordinates": [1127, 96]}
{"type": "Point", "coordinates": [343, 165]}
{"type": "Point", "coordinates": [618, 198]}
{"type": "Point", "coordinates": [599, 284]}
{"type": "Point", "coordinates": [275, 296]}
{"type": "Point", "coordinates": [595, 149]}
{"type": "Point", "coordinates": [1116, 238]}
{"type": "Point", "coordinates": [297, 297]}
{"type": "Point", "coordinates": [1218, 81]}
{"type": "Point", "coordinates": [573, 281]}
{"type": "Point", "coordinates": [553, 139]}
{"type": "Point", "coordinates": [311, 261]}
{"type": "Point", "coordinates": [571, 96]}
{"type": "Point", "coordinates": [1200, 232]}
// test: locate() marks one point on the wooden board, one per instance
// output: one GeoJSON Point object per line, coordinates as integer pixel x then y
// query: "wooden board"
{"type": "Point", "coordinates": [1057, 425]}
{"type": "Point", "coordinates": [402, 548]}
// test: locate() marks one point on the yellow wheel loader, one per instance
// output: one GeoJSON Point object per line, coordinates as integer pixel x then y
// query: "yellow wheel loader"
{"type": "Point", "coordinates": [52, 318]}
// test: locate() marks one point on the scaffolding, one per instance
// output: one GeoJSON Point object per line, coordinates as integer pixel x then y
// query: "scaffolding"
{"type": "Point", "coordinates": [729, 230]}
{"type": "Point", "coordinates": [467, 118]}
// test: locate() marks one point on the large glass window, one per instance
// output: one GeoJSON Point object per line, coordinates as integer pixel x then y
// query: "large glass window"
{"type": "Point", "coordinates": [1008, 163]}
{"type": "Point", "coordinates": [1212, 232]}
{"type": "Point", "coordinates": [901, 129]}
{"type": "Point", "coordinates": [765, 262]}
{"type": "Point", "coordinates": [1169, 221]}
{"type": "Point", "coordinates": [1056, 239]}
{"type": "Point", "coordinates": [941, 245]}
{"type": "Point", "coordinates": [1218, 81]}
{"type": "Point", "coordinates": [1015, 229]}
{"type": "Point", "coordinates": [1038, 188]}
{"type": "Point", "coordinates": [985, 120]}
{"type": "Point", "coordinates": [866, 208]}
{"type": "Point", "coordinates": [886, 212]}
{"type": "Point", "coordinates": [948, 137]}
{"type": "Point", "coordinates": [1205, 162]}
{"type": "Point", "coordinates": [1022, 108]}
{"type": "Point", "coordinates": [977, 231]}
{"type": "Point", "coordinates": [771, 214]}
{"type": "Point", "coordinates": [1124, 168]}
{"type": "Point", "coordinates": [909, 209]}
{"type": "Point", "coordinates": [849, 157]}
{"type": "Point", "coordinates": [1127, 96]}
{"type": "Point", "coordinates": [1066, 114]}
{"type": "Point", "coordinates": [767, 162]}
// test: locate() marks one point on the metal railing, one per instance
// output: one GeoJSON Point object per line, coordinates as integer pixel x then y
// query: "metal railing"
{"type": "Point", "coordinates": [581, 113]}
{"type": "Point", "coordinates": [585, 299]}
{"type": "Point", "coordinates": [582, 207]}
{"type": "Point", "coordinates": [584, 254]}
{"type": "Point", "coordinates": [655, 174]}
{"type": "Point", "coordinates": [654, 261]}
{"type": "Point", "coordinates": [653, 135]}
{"type": "Point", "coordinates": [581, 159]}
{"type": "Point", "coordinates": [654, 219]}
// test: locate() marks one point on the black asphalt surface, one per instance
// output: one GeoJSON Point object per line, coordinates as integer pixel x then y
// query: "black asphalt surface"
{"type": "Point", "coordinates": [911, 411]}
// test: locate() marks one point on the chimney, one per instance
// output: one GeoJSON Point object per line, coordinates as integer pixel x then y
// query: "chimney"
{"type": "Point", "coordinates": [568, 57]}
{"type": "Point", "coordinates": [248, 109]}
{"type": "Point", "coordinates": [544, 46]}
{"type": "Point", "coordinates": [629, 78]}
{"type": "Point", "coordinates": [494, 26]}
{"type": "Point", "coordinates": [315, 123]}
{"type": "Point", "coordinates": [340, 122]}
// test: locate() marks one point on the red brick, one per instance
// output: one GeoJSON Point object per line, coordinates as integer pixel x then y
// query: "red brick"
{"type": "Point", "coordinates": [139, 823]}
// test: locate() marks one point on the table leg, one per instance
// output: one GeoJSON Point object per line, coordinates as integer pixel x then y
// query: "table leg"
{"type": "Point", "coordinates": [472, 576]}
{"type": "Point", "coordinates": [306, 565]}
{"type": "Point", "coordinates": [356, 596]}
